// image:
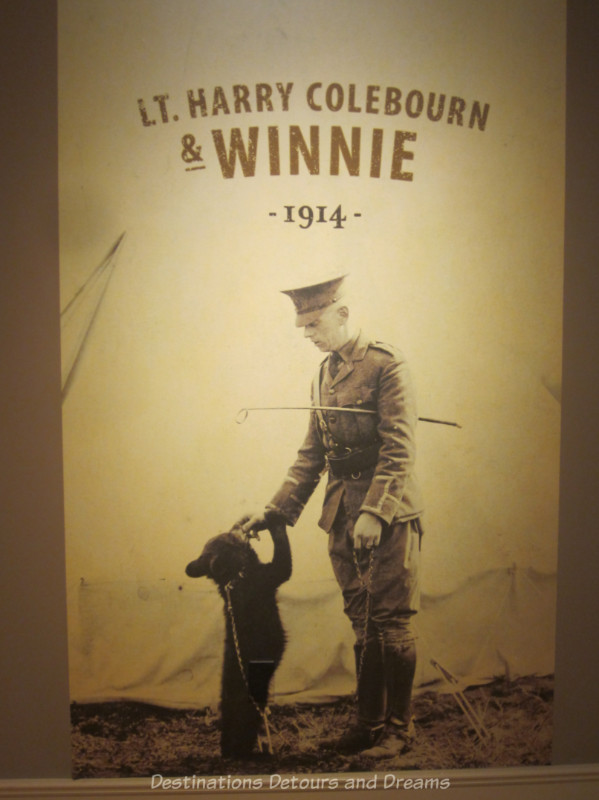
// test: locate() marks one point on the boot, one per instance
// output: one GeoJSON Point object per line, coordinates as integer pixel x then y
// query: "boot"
{"type": "Point", "coordinates": [358, 738]}
{"type": "Point", "coordinates": [400, 667]}
{"type": "Point", "coordinates": [394, 740]}
{"type": "Point", "coordinates": [371, 682]}
{"type": "Point", "coordinates": [371, 691]}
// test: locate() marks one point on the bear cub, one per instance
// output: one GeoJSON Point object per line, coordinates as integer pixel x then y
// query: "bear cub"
{"type": "Point", "coordinates": [254, 635]}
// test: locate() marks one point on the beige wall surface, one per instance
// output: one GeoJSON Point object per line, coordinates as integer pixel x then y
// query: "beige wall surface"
{"type": "Point", "coordinates": [34, 657]}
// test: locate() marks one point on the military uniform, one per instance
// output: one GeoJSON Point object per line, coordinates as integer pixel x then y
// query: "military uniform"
{"type": "Point", "coordinates": [370, 463]}
{"type": "Point", "coordinates": [374, 377]}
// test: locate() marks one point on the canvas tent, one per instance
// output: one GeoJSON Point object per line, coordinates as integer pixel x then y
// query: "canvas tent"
{"type": "Point", "coordinates": [162, 642]}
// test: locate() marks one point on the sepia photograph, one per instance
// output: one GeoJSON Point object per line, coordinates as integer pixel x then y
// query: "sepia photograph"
{"type": "Point", "coordinates": [311, 277]}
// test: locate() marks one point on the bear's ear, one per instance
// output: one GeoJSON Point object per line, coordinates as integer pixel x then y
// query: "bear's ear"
{"type": "Point", "coordinates": [239, 535]}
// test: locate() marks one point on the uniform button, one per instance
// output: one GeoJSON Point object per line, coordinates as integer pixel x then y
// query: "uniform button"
{"type": "Point", "coordinates": [331, 391]}
{"type": "Point", "coordinates": [332, 418]}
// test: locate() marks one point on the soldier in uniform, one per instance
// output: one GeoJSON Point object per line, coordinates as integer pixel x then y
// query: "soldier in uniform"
{"type": "Point", "coordinates": [371, 510]}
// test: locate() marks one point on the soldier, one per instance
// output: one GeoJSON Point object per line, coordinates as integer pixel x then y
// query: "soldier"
{"type": "Point", "coordinates": [371, 509]}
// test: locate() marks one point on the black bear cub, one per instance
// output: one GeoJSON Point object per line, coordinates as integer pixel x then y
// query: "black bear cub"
{"type": "Point", "coordinates": [254, 637]}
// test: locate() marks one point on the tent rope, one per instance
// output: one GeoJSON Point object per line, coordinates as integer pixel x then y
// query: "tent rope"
{"type": "Point", "coordinates": [463, 702]}
{"type": "Point", "coordinates": [105, 267]}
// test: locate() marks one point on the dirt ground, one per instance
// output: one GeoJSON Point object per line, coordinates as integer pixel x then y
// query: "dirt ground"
{"type": "Point", "coordinates": [125, 739]}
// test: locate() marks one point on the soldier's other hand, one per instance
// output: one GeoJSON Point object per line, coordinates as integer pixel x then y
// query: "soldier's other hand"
{"type": "Point", "coordinates": [367, 531]}
{"type": "Point", "coordinates": [252, 523]}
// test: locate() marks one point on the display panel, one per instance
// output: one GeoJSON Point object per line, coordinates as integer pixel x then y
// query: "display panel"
{"type": "Point", "coordinates": [213, 154]}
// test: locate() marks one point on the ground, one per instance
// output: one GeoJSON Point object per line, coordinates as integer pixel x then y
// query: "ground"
{"type": "Point", "coordinates": [124, 739]}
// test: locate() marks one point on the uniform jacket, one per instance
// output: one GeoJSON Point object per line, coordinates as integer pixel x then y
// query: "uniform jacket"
{"type": "Point", "coordinates": [373, 376]}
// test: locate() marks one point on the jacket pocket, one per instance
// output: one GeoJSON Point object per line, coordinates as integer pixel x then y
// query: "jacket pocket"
{"type": "Point", "coordinates": [367, 423]}
{"type": "Point", "coordinates": [349, 428]}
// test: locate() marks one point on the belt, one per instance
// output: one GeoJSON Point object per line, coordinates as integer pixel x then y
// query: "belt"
{"type": "Point", "coordinates": [353, 461]}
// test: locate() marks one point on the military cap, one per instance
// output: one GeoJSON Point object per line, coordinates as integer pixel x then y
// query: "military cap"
{"type": "Point", "coordinates": [310, 301]}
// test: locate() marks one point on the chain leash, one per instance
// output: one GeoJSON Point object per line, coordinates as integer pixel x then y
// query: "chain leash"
{"type": "Point", "coordinates": [366, 586]}
{"type": "Point", "coordinates": [265, 712]}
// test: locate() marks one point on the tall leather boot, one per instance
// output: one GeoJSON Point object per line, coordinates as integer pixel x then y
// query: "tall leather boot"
{"type": "Point", "coordinates": [371, 681]}
{"type": "Point", "coordinates": [371, 692]}
{"type": "Point", "coordinates": [399, 667]}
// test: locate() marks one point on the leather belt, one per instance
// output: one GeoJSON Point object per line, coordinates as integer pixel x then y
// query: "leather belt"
{"type": "Point", "coordinates": [353, 462]}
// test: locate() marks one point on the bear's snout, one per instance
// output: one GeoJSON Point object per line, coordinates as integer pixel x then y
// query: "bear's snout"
{"type": "Point", "coordinates": [197, 568]}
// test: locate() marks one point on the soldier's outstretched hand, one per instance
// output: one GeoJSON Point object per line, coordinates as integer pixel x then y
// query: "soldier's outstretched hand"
{"type": "Point", "coordinates": [252, 523]}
